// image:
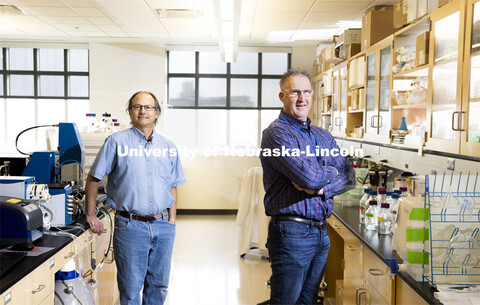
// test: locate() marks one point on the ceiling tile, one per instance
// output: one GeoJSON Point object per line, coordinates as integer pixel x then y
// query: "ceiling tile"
{"type": "Point", "coordinates": [44, 3]}
{"type": "Point", "coordinates": [99, 20]}
{"type": "Point", "coordinates": [177, 4]}
{"type": "Point", "coordinates": [66, 20]}
{"type": "Point", "coordinates": [51, 11]}
{"type": "Point", "coordinates": [78, 3]}
{"type": "Point", "coordinates": [332, 17]}
{"type": "Point", "coordinates": [343, 6]}
{"type": "Point", "coordinates": [89, 12]}
{"type": "Point", "coordinates": [284, 6]}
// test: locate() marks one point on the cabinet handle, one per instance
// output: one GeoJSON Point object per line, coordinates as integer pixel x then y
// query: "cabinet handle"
{"type": "Point", "coordinates": [375, 272]}
{"type": "Point", "coordinates": [371, 121]}
{"type": "Point", "coordinates": [90, 238]}
{"type": "Point", "coordinates": [350, 248]}
{"type": "Point", "coordinates": [357, 294]}
{"type": "Point", "coordinates": [364, 291]}
{"type": "Point", "coordinates": [453, 120]}
{"type": "Point", "coordinates": [337, 119]}
{"type": "Point", "coordinates": [71, 254]}
{"type": "Point", "coordinates": [40, 288]}
{"type": "Point", "coordinates": [380, 123]}
{"type": "Point", "coordinates": [460, 120]}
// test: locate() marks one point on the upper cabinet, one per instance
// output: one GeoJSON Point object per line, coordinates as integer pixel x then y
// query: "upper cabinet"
{"type": "Point", "coordinates": [470, 114]}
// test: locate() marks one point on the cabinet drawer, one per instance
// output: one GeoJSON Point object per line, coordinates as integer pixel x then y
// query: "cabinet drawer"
{"type": "Point", "coordinates": [373, 296]}
{"type": "Point", "coordinates": [378, 275]}
{"type": "Point", "coordinates": [32, 289]}
{"type": "Point", "coordinates": [353, 255]}
{"type": "Point", "coordinates": [340, 228]}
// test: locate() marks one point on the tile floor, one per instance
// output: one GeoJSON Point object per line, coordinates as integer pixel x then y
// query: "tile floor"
{"type": "Point", "coordinates": [207, 269]}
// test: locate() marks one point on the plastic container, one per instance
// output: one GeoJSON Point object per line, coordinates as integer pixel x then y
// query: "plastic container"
{"type": "Point", "coordinates": [411, 235]}
{"type": "Point", "coordinates": [371, 216]}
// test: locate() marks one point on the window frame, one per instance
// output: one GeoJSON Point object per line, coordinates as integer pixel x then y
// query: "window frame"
{"type": "Point", "coordinates": [36, 73]}
{"type": "Point", "coordinates": [228, 76]}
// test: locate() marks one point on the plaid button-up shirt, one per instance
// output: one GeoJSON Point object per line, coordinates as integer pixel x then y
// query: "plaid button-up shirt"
{"type": "Point", "coordinates": [292, 159]}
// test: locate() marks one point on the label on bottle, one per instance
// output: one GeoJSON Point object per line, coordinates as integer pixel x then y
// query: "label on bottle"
{"type": "Point", "coordinates": [369, 214]}
{"type": "Point", "coordinates": [362, 208]}
{"type": "Point", "coordinates": [380, 218]}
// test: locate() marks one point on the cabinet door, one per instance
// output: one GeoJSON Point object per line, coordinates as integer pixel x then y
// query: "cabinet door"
{"type": "Point", "coordinates": [370, 111]}
{"type": "Point", "coordinates": [470, 115]}
{"type": "Point", "coordinates": [446, 77]}
{"type": "Point", "coordinates": [385, 89]}
{"type": "Point", "coordinates": [336, 101]}
{"type": "Point", "coordinates": [343, 99]}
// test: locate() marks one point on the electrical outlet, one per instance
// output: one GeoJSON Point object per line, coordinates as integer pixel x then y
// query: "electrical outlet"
{"type": "Point", "coordinates": [451, 164]}
{"type": "Point", "coordinates": [378, 150]}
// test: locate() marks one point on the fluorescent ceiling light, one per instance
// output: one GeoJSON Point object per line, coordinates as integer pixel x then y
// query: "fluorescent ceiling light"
{"type": "Point", "coordinates": [227, 30]}
{"type": "Point", "coordinates": [226, 9]}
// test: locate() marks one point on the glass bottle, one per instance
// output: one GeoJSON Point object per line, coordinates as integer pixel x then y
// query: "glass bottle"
{"type": "Point", "coordinates": [371, 216]}
{"type": "Point", "coordinates": [381, 195]}
{"type": "Point", "coordinates": [385, 221]}
{"type": "Point", "coordinates": [363, 204]}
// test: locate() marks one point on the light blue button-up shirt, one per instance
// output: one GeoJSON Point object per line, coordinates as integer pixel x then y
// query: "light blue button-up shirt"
{"type": "Point", "coordinates": [140, 172]}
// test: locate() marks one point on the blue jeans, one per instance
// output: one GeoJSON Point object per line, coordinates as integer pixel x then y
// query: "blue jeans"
{"type": "Point", "coordinates": [298, 254]}
{"type": "Point", "coordinates": [143, 254]}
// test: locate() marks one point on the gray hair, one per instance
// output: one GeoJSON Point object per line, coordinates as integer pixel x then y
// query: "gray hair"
{"type": "Point", "coordinates": [158, 109]}
{"type": "Point", "coordinates": [291, 73]}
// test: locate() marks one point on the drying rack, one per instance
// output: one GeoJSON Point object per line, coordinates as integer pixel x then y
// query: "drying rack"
{"type": "Point", "coordinates": [453, 202]}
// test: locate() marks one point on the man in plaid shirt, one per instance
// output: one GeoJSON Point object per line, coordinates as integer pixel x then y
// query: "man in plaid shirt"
{"type": "Point", "coordinates": [302, 171]}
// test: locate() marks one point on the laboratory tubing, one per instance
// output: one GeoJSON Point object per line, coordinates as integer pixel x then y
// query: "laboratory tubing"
{"type": "Point", "coordinates": [371, 216]}
{"type": "Point", "coordinates": [385, 219]}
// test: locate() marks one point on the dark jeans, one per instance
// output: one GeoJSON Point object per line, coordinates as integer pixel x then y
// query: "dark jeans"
{"type": "Point", "coordinates": [298, 254]}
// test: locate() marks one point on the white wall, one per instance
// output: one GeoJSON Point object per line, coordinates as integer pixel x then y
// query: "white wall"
{"type": "Point", "coordinates": [303, 58]}
{"type": "Point", "coordinates": [117, 70]}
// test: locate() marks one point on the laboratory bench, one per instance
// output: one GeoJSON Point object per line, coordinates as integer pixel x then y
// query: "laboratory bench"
{"type": "Point", "coordinates": [364, 277]}
{"type": "Point", "coordinates": [32, 280]}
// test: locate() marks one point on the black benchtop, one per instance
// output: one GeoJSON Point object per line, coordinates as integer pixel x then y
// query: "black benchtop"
{"type": "Point", "coordinates": [381, 245]}
{"type": "Point", "coordinates": [30, 263]}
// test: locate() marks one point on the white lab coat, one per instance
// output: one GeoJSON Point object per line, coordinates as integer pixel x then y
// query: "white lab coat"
{"type": "Point", "coordinates": [251, 213]}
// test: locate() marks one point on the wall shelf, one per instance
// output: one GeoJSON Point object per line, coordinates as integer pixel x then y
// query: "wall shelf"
{"type": "Point", "coordinates": [411, 106]}
{"type": "Point", "coordinates": [415, 72]}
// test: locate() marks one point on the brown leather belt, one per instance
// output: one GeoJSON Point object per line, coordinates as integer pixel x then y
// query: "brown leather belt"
{"type": "Point", "coordinates": [319, 224]}
{"type": "Point", "coordinates": [139, 217]}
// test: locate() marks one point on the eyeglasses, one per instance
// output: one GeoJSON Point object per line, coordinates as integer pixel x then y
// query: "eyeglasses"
{"type": "Point", "coordinates": [146, 107]}
{"type": "Point", "coordinates": [296, 92]}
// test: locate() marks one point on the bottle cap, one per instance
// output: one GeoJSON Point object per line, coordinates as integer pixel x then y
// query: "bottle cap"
{"type": "Point", "coordinates": [395, 196]}
{"type": "Point", "coordinates": [385, 205]}
{"type": "Point", "coordinates": [367, 190]}
{"type": "Point", "coordinates": [374, 193]}
{"type": "Point", "coordinates": [116, 124]}
{"type": "Point", "coordinates": [397, 191]}
{"type": "Point", "coordinates": [382, 191]}
{"type": "Point", "coordinates": [389, 193]}
{"type": "Point", "coordinates": [372, 202]}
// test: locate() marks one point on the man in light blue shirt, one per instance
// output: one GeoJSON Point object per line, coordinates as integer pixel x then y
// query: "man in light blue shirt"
{"type": "Point", "coordinates": [143, 171]}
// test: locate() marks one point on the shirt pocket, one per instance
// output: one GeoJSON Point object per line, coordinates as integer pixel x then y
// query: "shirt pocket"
{"type": "Point", "coordinates": [164, 167]}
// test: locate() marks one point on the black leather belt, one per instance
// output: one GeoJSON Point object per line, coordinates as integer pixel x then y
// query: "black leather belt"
{"type": "Point", "coordinates": [139, 217]}
{"type": "Point", "coordinates": [319, 224]}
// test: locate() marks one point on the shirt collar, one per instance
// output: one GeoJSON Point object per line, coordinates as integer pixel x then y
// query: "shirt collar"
{"type": "Point", "coordinates": [140, 134]}
{"type": "Point", "coordinates": [295, 121]}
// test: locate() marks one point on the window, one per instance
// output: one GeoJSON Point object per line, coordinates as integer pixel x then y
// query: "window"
{"type": "Point", "coordinates": [46, 86]}
{"type": "Point", "coordinates": [217, 105]}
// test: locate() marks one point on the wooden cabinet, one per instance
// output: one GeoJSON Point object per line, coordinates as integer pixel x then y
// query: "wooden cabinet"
{"type": "Point", "coordinates": [470, 112]}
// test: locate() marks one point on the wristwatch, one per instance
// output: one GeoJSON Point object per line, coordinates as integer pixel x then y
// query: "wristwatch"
{"type": "Point", "coordinates": [321, 194]}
